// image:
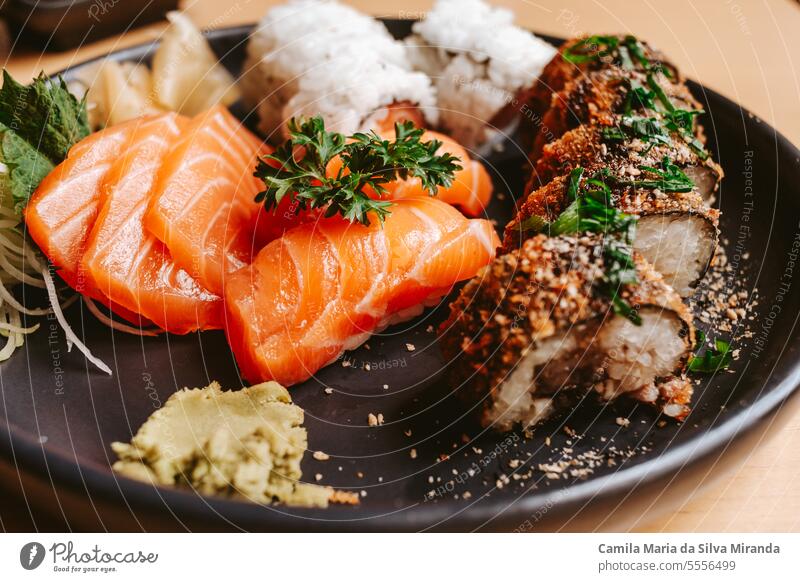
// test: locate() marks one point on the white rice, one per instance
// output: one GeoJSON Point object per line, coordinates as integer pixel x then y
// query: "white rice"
{"type": "Point", "coordinates": [312, 57]}
{"type": "Point", "coordinates": [633, 356]}
{"type": "Point", "coordinates": [478, 60]}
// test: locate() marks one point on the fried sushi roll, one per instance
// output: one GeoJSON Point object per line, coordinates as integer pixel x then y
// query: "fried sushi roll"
{"type": "Point", "coordinates": [539, 330]}
{"type": "Point", "coordinates": [591, 98]}
{"type": "Point", "coordinates": [583, 55]}
{"type": "Point", "coordinates": [624, 142]}
{"type": "Point", "coordinates": [676, 231]}
{"type": "Point", "coordinates": [578, 57]}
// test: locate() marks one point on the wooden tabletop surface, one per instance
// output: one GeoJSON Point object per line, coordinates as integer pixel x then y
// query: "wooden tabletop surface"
{"type": "Point", "coordinates": [748, 50]}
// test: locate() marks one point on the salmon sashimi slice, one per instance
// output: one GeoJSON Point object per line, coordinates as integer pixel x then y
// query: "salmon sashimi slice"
{"type": "Point", "coordinates": [203, 203]}
{"type": "Point", "coordinates": [127, 264]}
{"type": "Point", "coordinates": [63, 209]}
{"type": "Point", "coordinates": [324, 287]}
{"type": "Point", "coordinates": [472, 186]}
{"type": "Point", "coordinates": [471, 189]}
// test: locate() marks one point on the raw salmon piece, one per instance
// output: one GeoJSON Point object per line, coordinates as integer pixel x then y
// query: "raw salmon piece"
{"type": "Point", "coordinates": [326, 286]}
{"type": "Point", "coordinates": [202, 207]}
{"type": "Point", "coordinates": [471, 189]}
{"type": "Point", "coordinates": [130, 266]}
{"type": "Point", "coordinates": [62, 210]}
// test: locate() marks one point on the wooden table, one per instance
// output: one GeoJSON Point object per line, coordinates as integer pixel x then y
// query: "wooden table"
{"type": "Point", "coordinates": [748, 50]}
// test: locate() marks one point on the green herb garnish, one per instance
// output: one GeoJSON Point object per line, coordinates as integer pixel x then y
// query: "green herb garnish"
{"type": "Point", "coordinates": [648, 129]}
{"type": "Point", "coordinates": [670, 178]}
{"type": "Point", "coordinates": [626, 51]}
{"type": "Point", "coordinates": [591, 210]}
{"type": "Point", "coordinates": [676, 119]}
{"type": "Point", "coordinates": [45, 114]}
{"type": "Point", "coordinates": [298, 168]}
{"type": "Point", "coordinates": [713, 359]}
{"type": "Point", "coordinates": [39, 123]}
{"type": "Point", "coordinates": [652, 97]}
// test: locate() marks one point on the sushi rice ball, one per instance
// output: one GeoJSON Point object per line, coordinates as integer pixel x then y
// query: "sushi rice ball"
{"type": "Point", "coordinates": [313, 57]}
{"type": "Point", "coordinates": [478, 60]}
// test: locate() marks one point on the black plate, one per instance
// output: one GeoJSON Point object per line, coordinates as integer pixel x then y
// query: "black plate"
{"type": "Point", "coordinates": [56, 427]}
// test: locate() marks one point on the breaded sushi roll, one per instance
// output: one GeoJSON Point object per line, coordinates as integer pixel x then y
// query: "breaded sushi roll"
{"type": "Point", "coordinates": [591, 98]}
{"type": "Point", "coordinates": [539, 329]}
{"type": "Point", "coordinates": [625, 142]}
{"type": "Point", "coordinates": [676, 231]}
{"type": "Point", "coordinates": [580, 56]}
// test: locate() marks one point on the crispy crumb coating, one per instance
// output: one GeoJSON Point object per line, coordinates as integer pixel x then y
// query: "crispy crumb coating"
{"type": "Point", "coordinates": [585, 146]}
{"type": "Point", "coordinates": [539, 291]}
{"type": "Point", "coordinates": [591, 98]}
{"type": "Point", "coordinates": [549, 201]}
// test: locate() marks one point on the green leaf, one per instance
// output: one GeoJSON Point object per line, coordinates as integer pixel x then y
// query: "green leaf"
{"type": "Point", "coordinates": [626, 53]}
{"type": "Point", "coordinates": [298, 169]}
{"type": "Point", "coordinates": [669, 178]}
{"type": "Point", "coordinates": [22, 168]}
{"type": "Point", "coordinates": [590, 49]}
{"type": "Point", "coordinates": [713, 359]}
{"type": "Point", "coordinates": [45, 114]}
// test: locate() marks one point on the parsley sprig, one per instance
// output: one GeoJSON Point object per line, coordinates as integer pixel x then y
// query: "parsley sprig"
{"type": "Point", "coordinates": [591, 210]}
{"type": "Point", "coordinates": [713, 359]}
{"type": "Point", "coordinates": [299, 169]}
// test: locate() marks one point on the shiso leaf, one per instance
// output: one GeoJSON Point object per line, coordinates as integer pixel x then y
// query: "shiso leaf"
{"type": "Point", "coordinates": [45, 114]}
{"type": "Point", "coordinates": [23, 168]}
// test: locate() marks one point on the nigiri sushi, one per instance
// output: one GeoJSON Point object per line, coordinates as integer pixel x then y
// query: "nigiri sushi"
{"type": "Point", "coordinates": [127, 264]}
{"type": "Point", "coordinates": [534, 334]}
{"type": "Point", "coordinates": [325, 287]}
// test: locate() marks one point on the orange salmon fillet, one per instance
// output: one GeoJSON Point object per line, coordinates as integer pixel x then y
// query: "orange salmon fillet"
{"type": "Point", "coordinates": [326, 286]}
{"type": "Point", "coordinates": [471, 189]}
{"type": "Point", "coordinates": [202, 205]}
{"type": "Point", "coordinates": [127, 264]}
{"type": "Point", "coordinates": [63, 209]}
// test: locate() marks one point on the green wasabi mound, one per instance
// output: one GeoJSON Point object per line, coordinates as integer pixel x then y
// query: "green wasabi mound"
{"type": "Point", "coordinates": [248, 443]}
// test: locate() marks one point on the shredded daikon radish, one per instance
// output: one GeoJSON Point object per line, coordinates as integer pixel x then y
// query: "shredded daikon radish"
{"type": "Point", "coordinates": [23, 277]}
{"type": "Point", "coordinates": [7, 297]}
{"type": "Point", "coordinates": [103, 318]}
{"type": "Point", "coordinates": [8, 327]}
{"type": "Point", "coordinates": [72, 338]}
{"type": "Point", "coordinates": [18, 264]}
